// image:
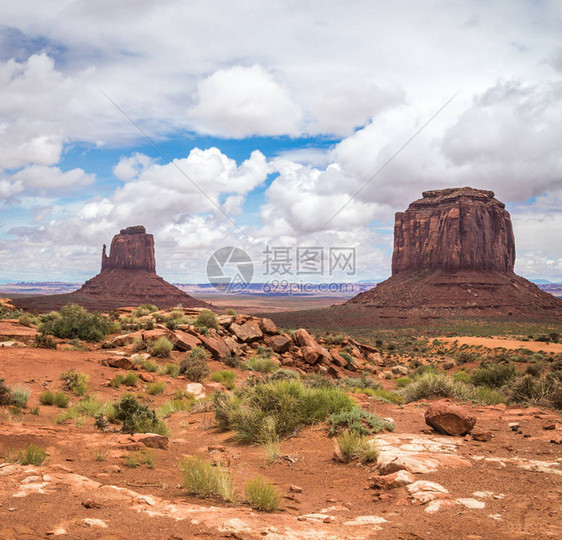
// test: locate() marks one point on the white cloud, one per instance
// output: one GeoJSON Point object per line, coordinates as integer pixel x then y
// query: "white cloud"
{"type": "Point", "coordinates": [244, 101]}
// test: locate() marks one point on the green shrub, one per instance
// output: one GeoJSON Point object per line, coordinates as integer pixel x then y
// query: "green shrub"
{"type": "Point", "coordinates": [346, 356]}
{"type": "Point", "coordinates": [47, 398]}
{"type": "Point", "coordinates": [267, 352]}
{"type": "Point", "coordinates": [184, 403]}
{"type": "Point", "coordinates": [546, 390]}
{"type": "Point", "coordinates": [358, 421]}
{"type": "Point", "coordinates": [534, 370]}
{"type": "Point", "coordinates": [402, 382]}
{"type": "Point", "coordinates": [381, 394]}
{"type": "Point", "coordinates": [225, 377]}
{"type": "Point", "coordinates": [272, 409]}
{"type": "Point", "coordinates": [42, 341]}
{"type": "Point", "coordinates": [232, 361]}
{"type": "Point", "coordinates": [76, 322]}
{"type": "Point", "coordinates": [261, 364]}
{"type": "Point", "coordinates": [355, 446]}
{"type": "Point", "coordinates": [170, 369]}
{"type": "Point", "coordinates": [462, 376]}
{"type": "Point", "coordinates": [75, 382]}
{"type": "Point", "coordinates": [358, 382]}
{"type": "Point", "coordinates": [19, 396]}
{"type": "Point", "coordinates": [149, 365]}
{"type": "Point", "coordinates": [32, 455]}
{"type": "Point", "coordinates": [26, 319]}
{"type": "Point", "coordinates": [430, 385]}
{"type": "Point", "coordinates": [203, 480]}
{"type": "Point", "coordinates": [488, 396]}
{"type": "Point", "coordinates": [61, 400]}
{"type": "Point", "coordinates": [262, 494]}
{"type": "Point", "coordinates": [493, 374]}
{"type": "Point", "coordinates": [161, 348]}
{"type": "Point", "coordinates": [194, 365]}
{"type": "Point", "coordinates": [138, 418]}
{"type": "Point", "coordinates": [231, 312]}
{"type": "Point", "coordinates": [117, 381]}
{"type": "Point", "coordinates": [466, 357]}
{"type": "Point", "coordinates": [131, 379]}
{"type": "Point", "coordinates": [206, 319]}
{"type": "Point", "coordinates": [138, 345]}
{"type": "Point", "coordinates": [4, 393]}
{"type": "Point", "coordinates": [155, 388]}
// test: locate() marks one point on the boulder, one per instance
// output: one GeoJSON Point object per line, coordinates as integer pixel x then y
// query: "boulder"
{"type": "Point", "coordinates": [225, 320]}
{"type": "Point", "coordinates": [119, 362]}
{"type": "Point", "coordinates": [157, 333]}
{"type": "Point", "coordinates": [233, 346]}
{"type": "Point", "coordinates": [267, 326]}
{"type": "Point", "coordinates": [247, 332]}
{"type": "Point", "coordinates": [449, 419]}
{"type": "Point", "coordinates": [303, 339]}
{"type": "Point", "coordinates": [183, 341]}
{"type": "Point", "coordinates": [124, 339]}
{"type": "Point", "coordinates": [337, 359]}
{"type": "Point", "coordinates": [280, 344]}
{"type": "Point", "coordinates": [216, 346]}
{"type": "Point", "coordinates": [390, 481]}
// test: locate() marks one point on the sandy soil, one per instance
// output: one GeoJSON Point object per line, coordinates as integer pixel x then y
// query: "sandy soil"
{"type": "Point", "coordinates": [517, 476]}
{"type": "Point", "coordinates": [506, 343]}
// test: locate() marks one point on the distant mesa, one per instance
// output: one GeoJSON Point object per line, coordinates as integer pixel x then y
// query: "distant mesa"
{"type": "Point", "coordinates": [127, 278]}
{"type": "Point", "coordinates": [454, 252]}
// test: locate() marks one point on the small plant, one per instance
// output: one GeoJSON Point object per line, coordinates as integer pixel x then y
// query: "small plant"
{"type": "Point", "coordinates": [194, 366]}
{"type": "Point", "coordinates": [355, 446]}
{"type": "Point", "coordinates": [182, 403]}
{"type": "Point", "coordinates": [155, 388]}
{"type": "Point", "coordinates": [131, 379]}
{"type": "Point", "coordinates": [402, 382]}
{"type": "Point", "coordinates": [266, 352]}
{"type": "Point", "coordinates": [138, 345]}
{"type": "Point", "coordinates": [262, 494]}
{"type": "Point", "coordinates": [47, 398]}
{"type": "Point", "coordinates": [261, 364]}
{"type": "Point", "coordinates": [61, 400]}
{"type": "Point", "coordinates": [206, 319]}
{"type": "Point", "coordinates": [75, 382]}
{"type": "Point", "coordinates": [203, 480]}
{"type": "Point", "coordinates": [462, 376]}
{"type": "Point", "coordinates": [225, 377]}
{"type": "Point", "coordinates": [493, 374]}
{"type": "Point", "coordinates": [19, 396]}
{"type": "Point", "coordinates": [170, 369]}
{"type": "Point", "coordinates": [26, 320]}
{"type": "Point", "coordinates": [149, 365]}
{"type": "Point", "coordinates": [117, 381]}
{"type": "Point", "coordinates": [100, 454]}
{"type": "Point", "coordinates": [161, 348]}
{"type": "Point", "coordinates": [4, 393]}
{"type": "Point", "coordinates": [131, 460]}
{"type": "Point", "coordinates": [357, 421]}
{"type": "Point", "coordinates": [34, 410]}
{"type": "Point", "coordinates": [32, 455]}
{"type": "Point", "coordinates": [232, 361]}
{"type": "Point", "coordinates": [42, 341]}
{"type": "Point", "coordinates": [231, 312]}
{"type": "Point", "coordinates": [138, 418]}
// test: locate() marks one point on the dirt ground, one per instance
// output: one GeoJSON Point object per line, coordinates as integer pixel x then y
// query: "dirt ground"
{"type": "Point", "coordinates": [506, 343]}
{"type": "Point", "coordinates": [515, 479]}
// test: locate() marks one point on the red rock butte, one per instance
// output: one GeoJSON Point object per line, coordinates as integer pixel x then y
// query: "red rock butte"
{"type": "Point", "coordinates": [454, 252]}
{"type": "Point", "coordinates": [127, 278]}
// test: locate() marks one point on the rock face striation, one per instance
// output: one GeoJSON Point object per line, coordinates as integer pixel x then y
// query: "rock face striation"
{"type": "Point", "coordinates": [127, 278]}
{"type": "Point", "coordinates": [454, 252]}
{"type": "Point", "coordinates": [454, 229]}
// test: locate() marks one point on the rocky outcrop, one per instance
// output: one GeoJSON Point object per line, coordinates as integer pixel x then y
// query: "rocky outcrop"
{"type": "Point", "coordinates": [127, 278]}
{"type": "Point", "coordinates": [454, 229]}
{"type": "Point", "coordinates": [131, 249]}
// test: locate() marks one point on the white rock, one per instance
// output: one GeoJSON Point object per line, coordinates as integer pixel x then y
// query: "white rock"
{"type": "Point", "coordinates": [235, 525]}
{"type": "Point", "coordinates": [196, 389]}
{"type": "Point", "coordinates": [366, 520]}
{"type": "Point", "coordinates": [316, 517]}
{"type": "Point", "coordinates": [471, 503]}
{"type": "Point", "coordinates": [93, 522]}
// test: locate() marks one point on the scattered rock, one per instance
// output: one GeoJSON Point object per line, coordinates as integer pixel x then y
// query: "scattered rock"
{"type": "Point", "coordinates": [247, 332]}
{"type": "Point", "coordinates": [482, 435]}
{"type": "Point", "coordinates": [450, 419]}
{"type": "Point", "coordinates": [295, 489]}
{"type": "Point", "coordinates": [93, 522]}
{"type": "Point", "coordinates": [424, 491]}
{"type": "Point", "coordinates": [550, 426]}
{"type": "Point", "coordinates": [391, 481]}
{"type": "Point", "coordinates": [471, 503]}
{"type": "Point", "coordinates": [197, 389]}
{"type": "Point", "coordinates": [119, 362]}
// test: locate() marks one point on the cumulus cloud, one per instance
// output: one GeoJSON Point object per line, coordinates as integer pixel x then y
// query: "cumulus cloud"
{"type": "Point", "coordinates": [244, 101]}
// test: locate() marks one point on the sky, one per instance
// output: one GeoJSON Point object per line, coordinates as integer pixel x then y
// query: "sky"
{"type": "Point", "coordinates": [265, 125]}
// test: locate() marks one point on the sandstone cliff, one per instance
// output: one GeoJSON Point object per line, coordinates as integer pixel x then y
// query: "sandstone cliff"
{"type": "Point", "coordinates": [131, 249]}
{"type": "Point", "coordinates": [454, 229]}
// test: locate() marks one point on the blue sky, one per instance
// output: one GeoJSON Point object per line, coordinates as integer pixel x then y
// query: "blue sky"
{"type": "Point", "coordinates": [280, 112]}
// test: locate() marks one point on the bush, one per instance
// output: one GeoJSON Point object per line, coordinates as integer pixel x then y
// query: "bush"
{"type": "Point", "coordinates": [493, 374]}
{"type": "Point", "coordinates": [383, 395]}
{"type": "Point", "coordinates": [358, 382]}
{"type": "Point", "coordinates": [183, 403]}
{"type": "Point", "coordinates": [117, 381]}
{"type": "Point", "coordinates": [402, 382]}
{"type": "Point", "coordinates": [32, 455]}
{"type": "Point", "coordinates": [207, 319]}
{"type": "Point", "coordinates": [357, 421]}
{"type": "Point", "coordinates": [42, 341]}
{"type": "Point", "coordinates": [430, 385]}
{"type": "Point", "coordinates": [232, 361]}
{"type": "Point", "coordinates": [231, 312]}
{"type": "Point", "coordinates": [138, 418]}
{"type": "Point", "coordinates": [155, 388]}
{"type": "Point", "coordinates": [225, 377]}
{"type": "Point", "coordinates": [75, 382]}
{"type": "Point", "coordinates": [131, 379]}
{"type": "Point", "coordinates": [161, 348]}
{"type": "Point", "coordinates": [261, 364]}
{"type": "Point", "coordinates": [26, 319]}
{"type": "Point", "coordinates": [262, 494]}
{"type": "Point", "coordinates": [354, 446]}
{"type": "Point", "coordinates": [534, 370]}
{"type": "Point", "coordinates": [149, 365]}
{"type": "Point", "coordinates": [47, 398]}
{"type": "Point", "coordinates": [203, 480]}
{"type": "Point", "coordinates": [466, 357]}
{"type": "Point", "coordinates": [267, 352]}
{"type": "Point", "coordinates": [61, 400]}
{"type": "Point", "coordinates": [76, 322]}
{"type": "Point", "coordinates": [272, 409]}
{"type": "Point", "coordinates": [546, 390]}
{"type": "Point", "coordinates": [462, 376]}
{"type": "Point", "coordinates": [19, 396]}
{"type": "Point", "coordinates": [170, 369]}
{"type": "Point", "coordinates": [4, 393]}
{"type": "Point", "coordinates": [194, 366]}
